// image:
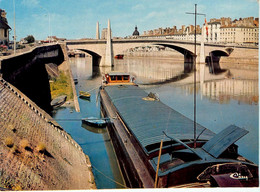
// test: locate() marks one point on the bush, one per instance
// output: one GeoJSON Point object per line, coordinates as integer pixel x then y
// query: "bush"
{"type": "Point", "coordinates": [29, 39]}
{"type": "Point", "coordinates": [3, 48]}
{"type": "Point", "coordinates": [15, 150]}
{"type": "Point", "coordinates": [61, 86]}
{"type": "Point", "coordinates": [24, 144]}
{"type": "Point", "coordinates": [41, 148]}
{"type": "Point", "coordinates": [9, 142]}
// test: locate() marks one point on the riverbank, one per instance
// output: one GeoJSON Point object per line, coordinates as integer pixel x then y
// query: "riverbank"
{"type": "Point", "coordinates": [63, 82]}
{"type": "Point", "coordinates": [61, 85]}
{"type": "Point", "coordinates": [36, 153]}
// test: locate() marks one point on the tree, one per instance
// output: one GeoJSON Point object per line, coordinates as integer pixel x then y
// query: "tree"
{"type": "Point", "coordinates": [29, 39]}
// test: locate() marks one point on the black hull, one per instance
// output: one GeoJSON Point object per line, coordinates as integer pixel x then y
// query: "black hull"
{"type": "Point", "coordinates": [128, 167]}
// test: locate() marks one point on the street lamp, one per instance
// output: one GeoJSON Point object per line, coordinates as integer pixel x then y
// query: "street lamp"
{"type": "Point", "coordinates": [14, 29]}
{"type": "Point", "coordinates": [49, 22]}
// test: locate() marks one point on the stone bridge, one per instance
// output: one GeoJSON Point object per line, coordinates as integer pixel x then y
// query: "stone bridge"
{"type": "Point", "coordinates": [97, 48]}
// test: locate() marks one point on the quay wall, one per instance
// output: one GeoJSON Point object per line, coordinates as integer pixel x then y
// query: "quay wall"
{"type": "Point", "coordinates": [241, 58]}
{"type": "Point", "coordinates": [27, 72]}
{"type": "Point", "coordinates": [66, 67]}
{"type": "Point", "coordinates": [35, 152]}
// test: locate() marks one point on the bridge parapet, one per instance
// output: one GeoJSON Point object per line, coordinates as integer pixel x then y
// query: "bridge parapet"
{"type": "Point", "coordinates": [29, 68]}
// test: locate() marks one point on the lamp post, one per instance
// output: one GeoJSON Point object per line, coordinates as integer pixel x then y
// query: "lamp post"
{"type": "Point", "coordinates": [49, 22]}
{"type": "Point", "coordinates": [14, 29]}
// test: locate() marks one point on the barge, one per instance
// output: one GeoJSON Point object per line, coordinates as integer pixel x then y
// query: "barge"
{"type": "Point", "coordinates": [155, 144]}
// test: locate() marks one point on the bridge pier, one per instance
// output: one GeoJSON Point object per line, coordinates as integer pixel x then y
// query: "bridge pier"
{"type": "Point", "coordinates": [202, 58]}
{"type": "Point", "coordinates": [109, 50]}
{"type": "Point", "coordinates": [213, 63]}
{"type": "Point", "coordinates": [188, 62]}
{"type": "Point", "coordinates": [188, 65]}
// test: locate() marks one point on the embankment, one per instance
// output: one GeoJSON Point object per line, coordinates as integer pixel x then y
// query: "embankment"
{"type": "Point", "coordinates": [35, 152]}
{"type": "Point", "coordinates": [239, 58]}
{"type": "Point", "coordinates": [30, 72]}
{"type": "Point", "coordinates": [27, 72]}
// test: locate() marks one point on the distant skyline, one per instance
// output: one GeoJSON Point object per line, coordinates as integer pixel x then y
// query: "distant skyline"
{"type": "Point", "coordinates": [76, 19]}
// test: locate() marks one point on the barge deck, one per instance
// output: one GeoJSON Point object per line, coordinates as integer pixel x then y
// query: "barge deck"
{"type": "Point", "coordinates": [139, 125]}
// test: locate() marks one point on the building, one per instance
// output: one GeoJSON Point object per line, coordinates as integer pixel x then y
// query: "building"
{"type": "Point", "coordinates": [224, 30]}
{"type": "Point", "coordinates": [244, 31]}
{"type": "Point", "coordinates": [104, 33]}
{"type": "Point", "coordinates": [54, 39]}
{"type": "Point", "coordinates": [136, 32]}
{"type": "Point", "coordinates": [213, 33]}
{"type": "Point", "coordinates": [4, 28]}
{"type": "Point", "coordinates": [183, 34]}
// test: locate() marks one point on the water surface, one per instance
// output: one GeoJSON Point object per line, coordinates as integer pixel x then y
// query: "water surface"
{"type": "Point", "coordinates": [219, 104]}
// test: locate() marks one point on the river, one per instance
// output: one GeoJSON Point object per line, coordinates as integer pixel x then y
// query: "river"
{"type": "Point", "coordinates": [220, 103]}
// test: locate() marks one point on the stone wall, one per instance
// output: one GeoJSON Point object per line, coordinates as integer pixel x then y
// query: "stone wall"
{"type": "Point", "coordinates": [35, 152]}
{"type": "Point", "coordinates": [241, 58]}
{"type": "Point", "coordinates": [27, 72]}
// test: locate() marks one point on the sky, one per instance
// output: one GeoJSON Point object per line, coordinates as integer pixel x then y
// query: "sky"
{"type": "Point", "coordinates": [76, 19]}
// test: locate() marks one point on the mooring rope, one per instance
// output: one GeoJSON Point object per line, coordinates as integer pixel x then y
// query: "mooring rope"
{"type": "Point", "coordinates": [109, 178]}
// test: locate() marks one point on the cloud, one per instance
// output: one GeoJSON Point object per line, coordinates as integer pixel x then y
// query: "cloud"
{"type": "Point", "coordinates": [152, 15]}
{"type": "Point", "coordinates": [138, 7]}
{"type": "Point", "coordinates": [30, 3]}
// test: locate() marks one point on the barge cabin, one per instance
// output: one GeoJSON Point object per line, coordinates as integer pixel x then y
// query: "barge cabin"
{"type": "Point", "coordinates": [117, 78]}
{"type": "Point", "coordinates": [140, 126]}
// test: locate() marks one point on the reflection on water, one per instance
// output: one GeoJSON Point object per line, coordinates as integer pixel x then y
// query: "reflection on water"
{"type": "Point", "coordinates": [150, 70]}
{"type": "Point", "coordinates": [226, 90]}
{"type": "Point", "coordinates": [93, 129]}
{"type": "Point", "coordinates": [219, 104]}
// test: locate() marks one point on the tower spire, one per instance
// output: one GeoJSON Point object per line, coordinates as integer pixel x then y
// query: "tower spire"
{"type": "Point", "coordinates": [109, 50]}
{"type": "Point", "coordinates": [97, 31]}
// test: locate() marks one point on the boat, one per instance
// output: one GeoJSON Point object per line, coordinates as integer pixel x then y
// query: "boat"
{"type": "Point", "coordinates": [156, 147]}
{"type": "Point", "coordinates": [119, 56]}
{"type": "Point", "coordinates": [95, 122]}
{"type": "Point", "coordinates": [58, 101]}
{"type": "Point", "coordinates": [84, 95]}
{"type": "Point", "coordinates": [118, 78]}
{"type": "Point", "coordinates": [98, 130]}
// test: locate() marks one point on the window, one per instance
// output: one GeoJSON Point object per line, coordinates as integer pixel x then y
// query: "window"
{"type": "Point", "coordinates": [126, 77]}
{"type": "Point", "coordinates": [5, 33]}
{"type": "Point", "coordinates": [119, 78]}
{"type": "Point", "coordinates": [113, 77]}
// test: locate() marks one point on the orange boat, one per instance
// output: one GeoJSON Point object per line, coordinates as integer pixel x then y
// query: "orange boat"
{"type": "Point", "coordinates": [119, 56]}
{"type": "Point", "coordinates": [117, 78]}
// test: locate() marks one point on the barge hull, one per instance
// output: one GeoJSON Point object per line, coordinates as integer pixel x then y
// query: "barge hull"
{"type": "Point", "coordinates": [137, 128]}
{"type": "Point", "coordinates": [133, 169]}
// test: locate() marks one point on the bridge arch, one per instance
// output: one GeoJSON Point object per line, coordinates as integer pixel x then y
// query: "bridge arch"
{"type": "Point", "coordinates": [96, 58]}
{"type": "Point", "coordinates": [189, 56]}
{"type": "Point", "coordinates": [212, 60]}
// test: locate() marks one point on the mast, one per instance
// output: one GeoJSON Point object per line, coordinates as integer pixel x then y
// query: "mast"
{"type": "Point", "coordinates": [194, 68]}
